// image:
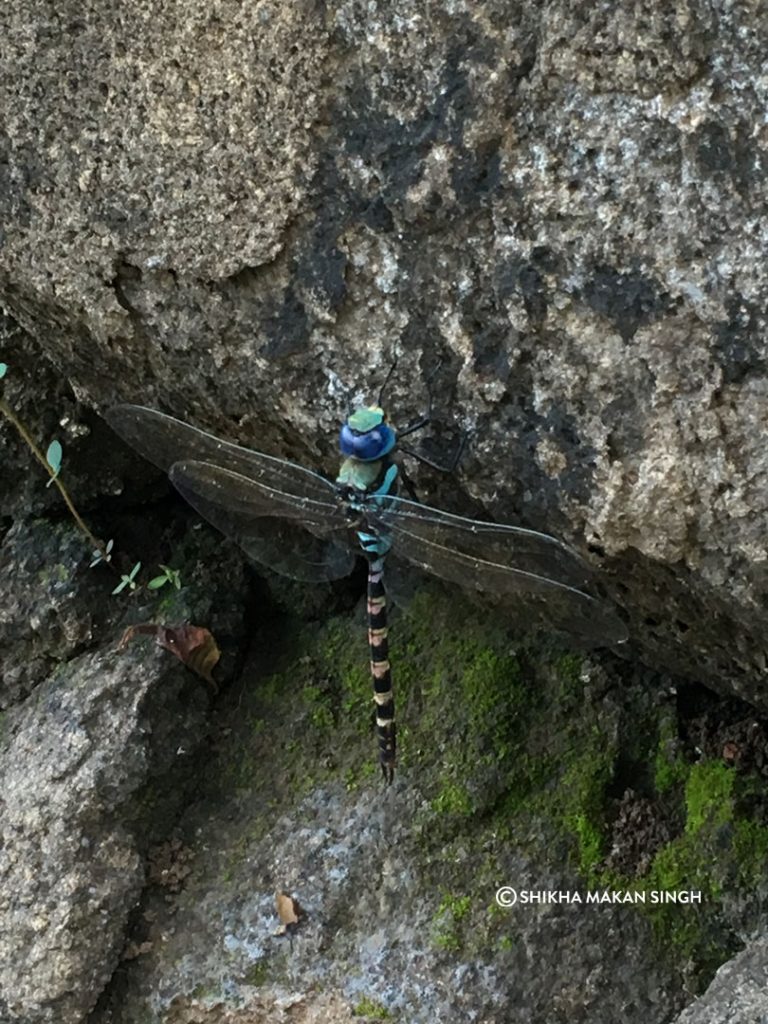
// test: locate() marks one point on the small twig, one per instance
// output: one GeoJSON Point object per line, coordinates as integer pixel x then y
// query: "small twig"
{"type": "Point", "coordinates": [99, 545]}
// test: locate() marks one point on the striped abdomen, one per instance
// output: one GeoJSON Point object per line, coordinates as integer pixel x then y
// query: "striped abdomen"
{"type": "Point", "coordinates": [382, 679]}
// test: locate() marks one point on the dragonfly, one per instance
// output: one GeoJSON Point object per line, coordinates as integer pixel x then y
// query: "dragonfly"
{"type": "Point", "coordinates": [310, 528]}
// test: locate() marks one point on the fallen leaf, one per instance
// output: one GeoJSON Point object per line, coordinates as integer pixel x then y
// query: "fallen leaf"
{"type": "Point", "coordinates": [193, 645]}
{"type": "Point", "coordinates": [288, 910]}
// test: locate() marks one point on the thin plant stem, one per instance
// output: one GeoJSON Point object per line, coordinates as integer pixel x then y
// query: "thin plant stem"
{"type": "Point", "coordinates": [99, 545]}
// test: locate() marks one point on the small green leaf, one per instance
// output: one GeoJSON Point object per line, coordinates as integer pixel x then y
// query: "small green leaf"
{"type": "Point", "coordinates": [53, 458]}
{"type": "Point", "coordinates": [99, 557]}
{"type": "Point", "coordinates": [3, 369]}
{"type": "Point", "coordinates": [53, 455]}
{"type": "Point", "coordinates": [169, 576]}
{"type": "Point", "coordinates": [172, 575]}
{"type": "Point", "coordinates": [127, 581]}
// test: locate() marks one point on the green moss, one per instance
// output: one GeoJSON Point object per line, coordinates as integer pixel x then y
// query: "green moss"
{"type": "Point", "coordinates": [708, 792]}
{"type": "Point", "coordinates": [679, 866]}
{"type": "Point", "coordinates": [320, 713]}
{"type": "Point", "coordinates": [371, 1009]}
{"type": "Point", "coordinates": [511, 753]}
{"type": "Point", "coordinates": [582, 797]}
{"type": "Point", "coordinates": [720, 849]}
{"type": "Point", "coordinates": [453, 798]}
{"type": "Point", "coordinates": [457, 906]}
{"type": "Point", "coordinates": [668, 773]}
{"type": "Point", "coordinates": [569, 669]}
{"type": "Point", "coordinates": [669, 768]}
{"type": "Point", "coordinates": [685, 929]}
{"type": "Point", "coordinates": [750, 845]}
{"type": "Point", "coordinates": [359, 775]}
{"type": "Point", "coordinates": [257, 974]}
{"type": "Point", "coordinates": [447, 929]}
{"type": "Point", "coordinates": [590, 839]}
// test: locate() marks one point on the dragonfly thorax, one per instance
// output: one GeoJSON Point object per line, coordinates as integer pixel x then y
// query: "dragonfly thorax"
{"type": "Point", "coordinates": [366, 436]}
{"type": "Point", "coordinates": [358, 480]}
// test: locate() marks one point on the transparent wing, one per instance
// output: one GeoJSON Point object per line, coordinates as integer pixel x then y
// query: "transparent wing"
{"type": "Point", "coordinates": [165, 440]}
{"type": "Point", "coordinates": [507, 561]}
{"type": "Point", "coordinates": [282, 515]}
{"type": "Point", "coordinates": [303, 538]}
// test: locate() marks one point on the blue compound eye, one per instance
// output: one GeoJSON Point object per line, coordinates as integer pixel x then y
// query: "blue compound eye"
{"type": "Point", "coordinates": [368, 445]}
{"type": "Point", "coordinates": [347, 438]}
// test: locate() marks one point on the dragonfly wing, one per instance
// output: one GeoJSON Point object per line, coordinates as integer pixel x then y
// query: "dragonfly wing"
{"type": "Point", "coordinates": [303, 538]}
{"type": "Point", "coordinates": [165, 441]}
{"type": "Point", "coordinates": [508, 561]}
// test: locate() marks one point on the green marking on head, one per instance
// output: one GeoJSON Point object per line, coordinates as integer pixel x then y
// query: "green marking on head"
{"type": "Point", "coordinates": [366, 419]}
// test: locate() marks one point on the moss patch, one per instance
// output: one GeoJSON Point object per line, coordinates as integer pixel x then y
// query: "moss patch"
{"type": "Point", "coordinates": [514, 748]}
{"type": "Point", "coordinates": [371, 1010]}
{"type": "Point", "coordinates": [450, 919]}
{"type": "Point", "coordinates": [718, 853]}
{"type": "Point", "coordinates": [257, 974]}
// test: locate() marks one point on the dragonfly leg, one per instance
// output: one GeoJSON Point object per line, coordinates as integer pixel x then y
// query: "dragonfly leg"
{"type": "Point", "coordinates": [423, 421]}
{"type": "Point", "coordinates": [408, 484]}
{"type": "Point", "coordinates": [450, 466]}
{"type": "Point", "coordinates": [413, 427]}
{"type": "Point", "coordinates": [382, 678]}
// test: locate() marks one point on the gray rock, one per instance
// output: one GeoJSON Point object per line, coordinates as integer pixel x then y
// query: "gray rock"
{"type": "Point", "coordinates": [566, 208]}
{"type": "Point", "coordinates": [369, 877]}
{"type": "Point", "coordinates": [244, 213]}
{"type": "Point", "coordinates": [70, 871]}
{"type": "Point", "coordinates": [86, 733]}
{"type": "Point", "coordinates": [48, 611]}
{"type": "Point", "coordinates": [739, 992]}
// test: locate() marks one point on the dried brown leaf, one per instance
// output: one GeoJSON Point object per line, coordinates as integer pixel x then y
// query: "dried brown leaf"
{"type": "Point", "coordinates": [193, 645]}
{"type": "Point", "coordinates": [288, 909]}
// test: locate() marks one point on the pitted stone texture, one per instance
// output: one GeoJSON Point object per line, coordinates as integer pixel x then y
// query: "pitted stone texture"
{"type": "Point", "coordinates": [48, 611]}
{"type": "Point", "coordinates": [159, 138]}
{"type": "Point", "coordinates": [69, 870]}
{"type": "Point", "coordinates": [738, 993]}
{"type": "Point", "coordinates": [567, 206]}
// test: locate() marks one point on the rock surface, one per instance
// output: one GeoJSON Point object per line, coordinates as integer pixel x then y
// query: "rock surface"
{"type": "Point", "coordinates": [69, 871]}
{"type": "Point", "coordinates": [244, 214]}
{"type": "Point", "coordinates": [85, 731]}
{"type": "Point", "coordinates": [396, 887]}
{"type": "Point", "coordinates": [738, 993]}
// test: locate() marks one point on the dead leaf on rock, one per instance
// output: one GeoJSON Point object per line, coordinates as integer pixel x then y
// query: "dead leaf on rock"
{"type": "Point", "coordinates": [193, 645]}
{"type": "Point", "coordinates": [288, 910]}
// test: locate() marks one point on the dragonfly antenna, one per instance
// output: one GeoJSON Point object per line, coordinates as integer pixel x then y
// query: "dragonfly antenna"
{"type": "Point", "coordinates": [387, 379]}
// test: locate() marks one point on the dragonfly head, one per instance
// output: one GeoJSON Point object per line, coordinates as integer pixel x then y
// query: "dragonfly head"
{"type": "Point", "coordinates": [366, 435]}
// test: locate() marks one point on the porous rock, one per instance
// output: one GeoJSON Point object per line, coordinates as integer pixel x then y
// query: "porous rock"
{"type": "Point", "coordinates": [243, 214]}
